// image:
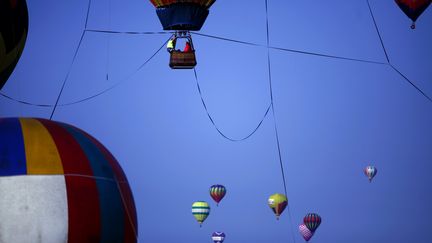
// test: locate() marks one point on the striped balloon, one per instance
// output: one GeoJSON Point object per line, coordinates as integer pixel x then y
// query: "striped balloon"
{"type": "Point", "coordinates": [200, 211]}
{"type": "Point", "coordinates": [370, 171]}
{"type": "Point", "coordinates": [277, 202]}
{"type": "Point", "coordinates": [312, 221]}
{"type": "Point", "coordinates": [59, 184]}
{"type": "Point", "coordinates": [218, 237]}
{"type": "Point", "coordinates": [305, 232]}
{"type": "Point", "coordinates": [217, 192]}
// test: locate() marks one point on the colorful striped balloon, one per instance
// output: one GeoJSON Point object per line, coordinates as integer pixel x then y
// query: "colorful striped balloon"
{"type": "Point", "coordinates": [312, 221]}
{"type": "Point", "coordinates": [218, 237]}
{"type": "Point", "coordinates": [200, 211]}
{"type": "Point", "coordinates": [217, 192]}
{"type": "Point", "coordinates": [370, 171]}
{"type": "Point", "coordinates": [59, 184]}
{"type": "Point", "coordinates": [305, 232]}
{"type": "Point", "coordinates": [277, 202]}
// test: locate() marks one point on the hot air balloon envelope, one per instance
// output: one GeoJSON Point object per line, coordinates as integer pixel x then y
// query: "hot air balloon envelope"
{"type": "Point", "coordinates": [277, 202]}
{"type": "Point", "coordinates": [217, 192]}
{"type": "Point", "coordinates": [59, 184]}
{"type": "Point", "coordinates": [370, 171]}
{"type": "Point", "coordinates": [218, 237]}
{"type": "Point", "coordinates": [413, 8]}
{"type": "Point", "coordinates": [182, 14]}
{"type": "Point", "coordinates": [305, 232]}
{"type": "Point", "coordinates": [200, 211]}
{"type": "Point", "coordinates": [312, 221]}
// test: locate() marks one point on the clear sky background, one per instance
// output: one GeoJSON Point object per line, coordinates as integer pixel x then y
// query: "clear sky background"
{"type": "Point", "coordinates": [334, 116]}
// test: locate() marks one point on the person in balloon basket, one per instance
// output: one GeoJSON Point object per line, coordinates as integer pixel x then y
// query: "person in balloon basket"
{"type": "Point", "coordinates": [171, 44]}
{"type": "Point", "coordinates": [188, 47]}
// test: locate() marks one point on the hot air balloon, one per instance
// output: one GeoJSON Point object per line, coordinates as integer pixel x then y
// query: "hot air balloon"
{"type": "Point", "coordinates": [413, 8]}
{"type": "Point", "coordinates": [218, 237]}
{"type": "Point", "coordinates": [182, 16]}
{"type": "Point", "coordinates": [13, 35]}
{"type": "Point", "coordinates": [278, 203]}
{"type": "Point", "coordinates": [59, 184]}
{"type": "Point", "coordinates": [200, 211]}
{"type": "Point", "coordinates": [217, 192]}
{"type": "Point", "coordinates": [370, 171]}
{"type": "Point", "coordinates": [312, 221]}
{"type": "Point", "coordinates": [305, 232]}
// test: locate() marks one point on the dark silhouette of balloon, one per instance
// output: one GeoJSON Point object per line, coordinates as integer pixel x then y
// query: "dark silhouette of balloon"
{"type": "Point", "coordinates": [59, 184]}
{"type": "Point", "coordinates": [312, 221]}
{"type": "Point", "coordinates": [217, 192]}
{"type": "Point", "coordinates": [13, 35]}
{"type": "Point", "coordinates": [413, 8]}
{"type": "Point", "coordinates": [182, 14]}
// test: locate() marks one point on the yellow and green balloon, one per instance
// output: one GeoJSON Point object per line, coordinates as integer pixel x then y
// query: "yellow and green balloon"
{"type": "Point", "coordinates": [200, 211]}
{"type": "Point", "coordinates": [277, 202]}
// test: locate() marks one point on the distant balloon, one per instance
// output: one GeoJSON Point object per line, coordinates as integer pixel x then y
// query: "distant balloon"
{"type": "Point", "coordinates": [278, 203]}
{"type": "Point", "coordinates": [413, 8]}
{"type": "Point", "coordinates": [217, 192]}
{"type": "Point", "coordinates": [182, 14]}
{"type": "Point", "coordinates": [59, 184]}
{"type": "Point", "coordinates": [305, 232]}
{"type": "Point", "coordinates": [218, 237]}
{"type": "Point", "coordinates": [370, 171]}
{"type": "Point", "coordinates": [312, 221]}
{"type": "Point", "coordinates": [200, 211]}
{"type": "Point", "coordinates": [13, 35]}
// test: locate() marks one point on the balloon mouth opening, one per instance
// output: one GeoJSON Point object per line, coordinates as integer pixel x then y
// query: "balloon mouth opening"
{"type": "Point", "coordinates": [413, 26]}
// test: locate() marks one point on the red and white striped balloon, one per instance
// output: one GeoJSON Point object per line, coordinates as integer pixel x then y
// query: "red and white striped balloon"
{"type": "Point", "coordinates": [305, 232]}
{"type": "Point", "coordinates": [370, 171]}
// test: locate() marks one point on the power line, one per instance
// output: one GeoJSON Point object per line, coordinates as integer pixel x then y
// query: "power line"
{"type": "Point", "coordinates": [290, 50]}
{"type": "Point", "coordinates": [119, 82]}
{"type": "Point", "coordinates": [378, 32]}
{"type": "Point", "coordinates": [129, 32]}
{"type": "Point", "coordinates": [409, 81]}
{"type": "Point", "coordinates": [388, 59]}
{"type": "Point", "coordinates": [329, 56]}
{"type": "Point", "coordinates": [213, 122]}
{"type": "Point", "coordinates": [67, 75]}
{"type": "Point", "coordinates": [73, 60]}
{"type": "Point", "coordinates": [274, 117]}
{"type": "Point", "coordinates": [94, 95]}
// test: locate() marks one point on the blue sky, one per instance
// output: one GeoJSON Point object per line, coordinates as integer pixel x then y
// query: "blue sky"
{"type": "Point", "coordinates": [334, 117]}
